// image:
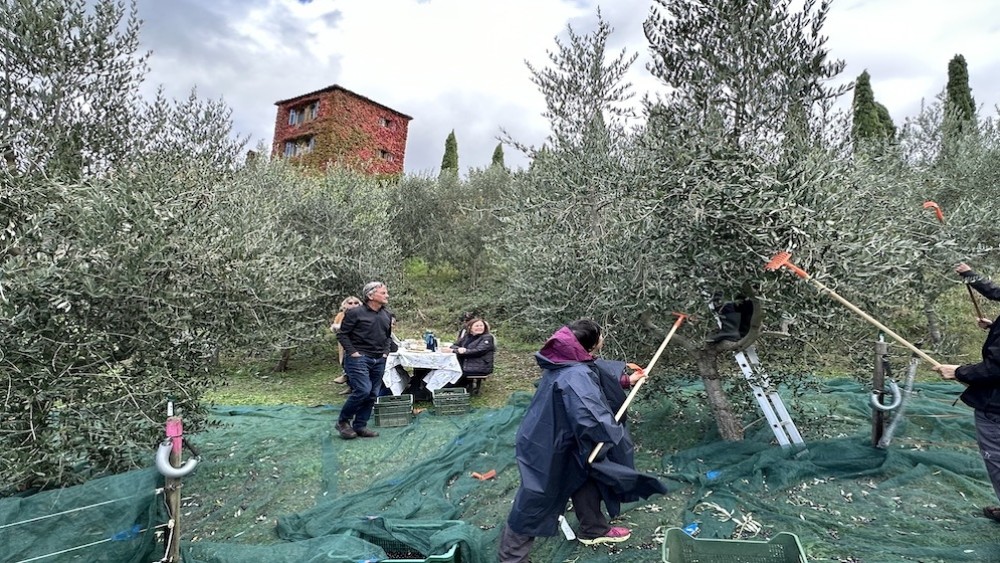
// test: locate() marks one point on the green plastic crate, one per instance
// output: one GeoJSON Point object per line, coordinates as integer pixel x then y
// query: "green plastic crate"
{"type": "Point", "coordinates": [451, 400]}
{"type": "Point", "coordinates": [393, 410]}
{"type": "Point", "coordinates": [682, 548]}
{"type": "Point", "coordinates": [395, 546]}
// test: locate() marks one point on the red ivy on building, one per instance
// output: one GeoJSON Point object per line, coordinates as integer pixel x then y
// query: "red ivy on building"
{"type": "Point", "coordinates": [337, 126]}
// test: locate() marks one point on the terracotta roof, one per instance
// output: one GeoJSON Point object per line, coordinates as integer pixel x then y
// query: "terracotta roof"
{"type": "Point", "coordinates": [334, 87]}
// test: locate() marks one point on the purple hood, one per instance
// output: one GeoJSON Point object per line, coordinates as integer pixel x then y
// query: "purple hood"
{"type": "Point", "coordinates": [562, 346]}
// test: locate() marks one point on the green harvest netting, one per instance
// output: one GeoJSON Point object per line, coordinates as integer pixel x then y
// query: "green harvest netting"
{"type": "Point", "coordinates": [112, 519]}
{"type": "Point", "coordinates": [277, 485]}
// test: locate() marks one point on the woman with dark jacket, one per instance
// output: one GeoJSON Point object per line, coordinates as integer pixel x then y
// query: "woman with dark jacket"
{"type": "Point", "coordinates": [983, 385]}
{"type": "Point", "coordinates": [475, 354]}
{"type": "Point", "coordinates": [572, 411]}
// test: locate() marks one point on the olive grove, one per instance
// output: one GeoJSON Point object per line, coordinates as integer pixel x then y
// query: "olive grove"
{"type": "Point", "coordinates": [740, 157]}
{"type": "Point", "coordinates": [136, 247]}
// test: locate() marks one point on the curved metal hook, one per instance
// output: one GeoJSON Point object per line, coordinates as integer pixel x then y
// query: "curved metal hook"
{"type": "Point", "coordinates": [163, 462]}
{"type": "Point", "coordinates": [893, 390]}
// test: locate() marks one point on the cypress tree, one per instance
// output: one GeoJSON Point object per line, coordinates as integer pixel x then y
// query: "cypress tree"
{"type": "Point", "coordinates": [872, 121]}
{"type": "Point", "coordinates": [450, 159]}
{"type": "Point", "coordinates": [498, 156]}
{"type": "Point", "coordinates": [885, 120]}
{"type": "Point", "coordinates": [959, 103]}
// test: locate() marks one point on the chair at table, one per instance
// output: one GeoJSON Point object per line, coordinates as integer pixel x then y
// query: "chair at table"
{"type": "Point", "coordinates": [474, 383]}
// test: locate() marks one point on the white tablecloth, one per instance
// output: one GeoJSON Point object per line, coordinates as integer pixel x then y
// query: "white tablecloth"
{"type": "Point", "coordinates": [444, 369]}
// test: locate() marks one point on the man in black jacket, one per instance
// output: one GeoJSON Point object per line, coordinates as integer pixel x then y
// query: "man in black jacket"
{"type": "Point", "coordinates": [983, 385]}
{"type": "Point", "coordinates": [366, 335]}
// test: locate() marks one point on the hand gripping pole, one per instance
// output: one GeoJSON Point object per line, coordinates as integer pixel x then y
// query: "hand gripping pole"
{"type": "Point", "coordinates": [940, 217]}
{"type": "Point", "coordinates": [782, 260]}
{"type": "Point", "coordinates": [635, 389]}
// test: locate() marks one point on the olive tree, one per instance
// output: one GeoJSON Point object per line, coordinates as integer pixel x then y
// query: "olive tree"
{"type": "Point", "coordinates": [68, 83]}
{"type": "Point", "coordinates": [132, 253]}
{"type": "Point", "coordinates": [948, 157]}
{"type": "Point", "coordinates": [949, 163]}
{"type": "Point", "coordinates": [119, 294]}
{"type": "Point", "coordinates": [294, 245]}
{"type": "Point", "coordinates": [732, 165]}
{"type": "Point", "coordinates": [109, 310]}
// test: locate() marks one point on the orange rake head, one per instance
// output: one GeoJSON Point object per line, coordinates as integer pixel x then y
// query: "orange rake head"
{"type": "Point", "coordinates": [937, 210]}
{"type": "Point", "coordinates": [783, 259]}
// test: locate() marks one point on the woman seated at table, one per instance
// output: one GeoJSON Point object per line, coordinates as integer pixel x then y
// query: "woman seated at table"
{"type": "Point", "coordinates": [475, 354]}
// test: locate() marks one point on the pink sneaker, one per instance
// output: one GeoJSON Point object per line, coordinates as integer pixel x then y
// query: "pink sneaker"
{"type": "Point", "coordinates": [615, 535]}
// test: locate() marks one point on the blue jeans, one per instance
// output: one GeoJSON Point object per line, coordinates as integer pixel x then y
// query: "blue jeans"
{"type": "Point", "coordinates": [364, 375]}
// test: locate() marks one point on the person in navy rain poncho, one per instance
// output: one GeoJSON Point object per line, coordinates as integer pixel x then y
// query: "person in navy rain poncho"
{"type": "Point", "coordinates": [572, 411]}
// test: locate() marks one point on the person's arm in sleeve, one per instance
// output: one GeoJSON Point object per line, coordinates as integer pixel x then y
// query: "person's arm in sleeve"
{"type": "Point", "coordinates": [592, 420]}
{"type": "Point", "coordinates": [627, 380]}
{"type": "Point", "coordinates": [479, 348]}
{"type": "Point", "coordinates": [986, 371]}
{"type": "Point", "coordinates": [343, 335]}
{"type": "Point", "coordinates": [984, 286]}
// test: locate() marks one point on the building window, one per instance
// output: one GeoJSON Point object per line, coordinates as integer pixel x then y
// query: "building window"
{"type": "Point", "coordinates": [312, 111]}
{"type": "Point", "coordinates": [302, 114]}
{"type": "Point", "coordinates": [385, 155]}
{"type": "Point", "coordinates": [386, 122]}
{"type": "Point", "coordinates": [300, 146]}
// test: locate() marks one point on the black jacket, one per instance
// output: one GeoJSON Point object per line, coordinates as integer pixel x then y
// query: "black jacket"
{"type": "Point", "coordinates": [478, 356]}
{"type": "Point", "coordinates": [366, 331]}
{"type": "Point", "coordinates": [983, 393]}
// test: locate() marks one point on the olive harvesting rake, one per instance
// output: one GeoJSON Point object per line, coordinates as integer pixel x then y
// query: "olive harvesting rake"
{"type": "Point", "coordinates": [782, 259]}
{"type": "Point", "coordinates": [940, 217]}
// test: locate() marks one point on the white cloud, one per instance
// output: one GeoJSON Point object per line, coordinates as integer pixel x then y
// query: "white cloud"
{"type": "Point", "coordinates": [460, 64]}
{"type": "Point", "coordinates": [906, 48]}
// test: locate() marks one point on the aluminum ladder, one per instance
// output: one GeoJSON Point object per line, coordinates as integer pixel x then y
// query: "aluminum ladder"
{"type": "Point", "coordinates": [767, 397]}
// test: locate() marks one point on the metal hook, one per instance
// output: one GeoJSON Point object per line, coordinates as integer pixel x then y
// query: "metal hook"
{"type": "Point", "coordinates": [163, 462]}
{"type": "Point", "coordinates": [893, 390]}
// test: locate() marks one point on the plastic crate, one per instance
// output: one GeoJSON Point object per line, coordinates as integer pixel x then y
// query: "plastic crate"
{"type": "Point", "coordinates": [682, 548]}
{"type": "Point", "coordinates": [393, 410]}
{"type": "Point", "coordinates": [394, 546]}
{"type": "Point", "coordinates": [451, 400]}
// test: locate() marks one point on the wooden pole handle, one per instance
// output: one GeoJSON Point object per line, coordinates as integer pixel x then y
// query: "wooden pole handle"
{"type": "Point", "coordinates": [882, 327]}
{"type": "Point", "coordinates": [975, 303]}
{"type": "Point", "coordinates": [635, 389]}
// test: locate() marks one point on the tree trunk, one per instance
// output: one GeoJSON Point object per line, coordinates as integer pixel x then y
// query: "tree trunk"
{"type": "Point", "coordinates": [286, 357]}
{"type": "Point", "coordinates": [729, 427]}
{"type": "Point", "coordinates": [933, 324]}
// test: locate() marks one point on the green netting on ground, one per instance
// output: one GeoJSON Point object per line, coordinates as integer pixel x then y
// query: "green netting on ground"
{"type": "Point", "coordinates": [917, 500]}
{"type": "Point", "coordinates": [112, 519]}
{"type": "Point", "coordinates": [277, 485]}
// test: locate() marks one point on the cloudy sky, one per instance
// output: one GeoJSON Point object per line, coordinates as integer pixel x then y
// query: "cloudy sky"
{"type": "Point", "coordinates": [460, 64]}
